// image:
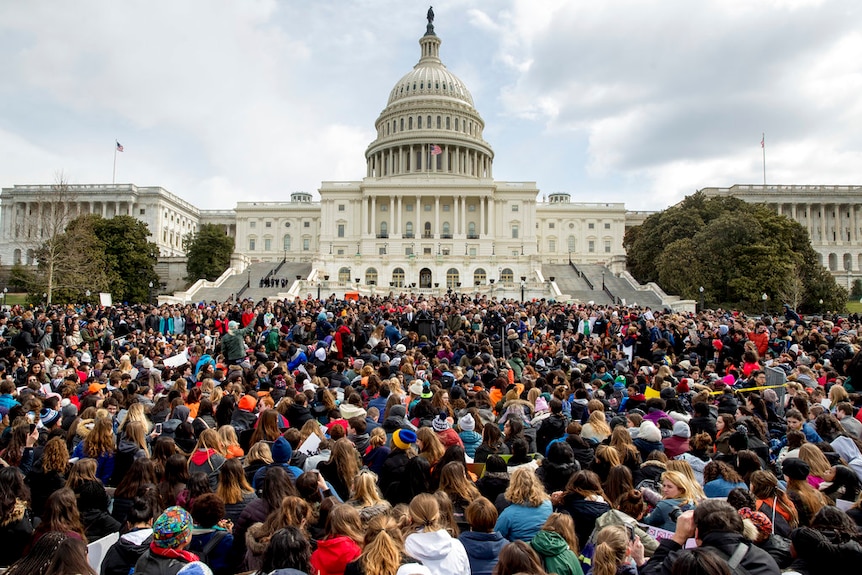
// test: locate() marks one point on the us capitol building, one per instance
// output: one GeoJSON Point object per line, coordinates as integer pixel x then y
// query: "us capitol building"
{"type": "Point", "coordinates": [428, 215]}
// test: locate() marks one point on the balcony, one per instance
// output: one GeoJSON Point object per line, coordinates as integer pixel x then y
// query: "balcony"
{"type": "Point", "coordinates": [427, 236]}
{"type": "Point", "coordinates": [445, 236]}
{"type": "Point", "coordinates": [409, 236]}
{"type": "Point", "coordinates": [472, 236]}
{"type": "Point", "coordinates": [382, 236]}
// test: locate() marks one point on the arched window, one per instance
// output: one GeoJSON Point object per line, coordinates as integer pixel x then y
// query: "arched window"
{"type": "Point", "coordinates": [452, 278]}
{"type": "Point", "coordinates": [31, 257]}
{"type": "Point", "coordinates": [479, 277]}
{"type": "Point", "coordinates": [16, 258]}
{"type": "Point", "coordinates": [833, 262]}
{"type": "Point", "coordinates": [439, 122]}
{"type": "Point", "coordinates": [447, 231]}
{"type": "Point", "coordinates": [408, 230]}
{"type": "Point", "coordinates": [570, 243]}
{"type": "Point", "coordinates": [402, 124]}
{"type": "Point", "coordinates": [344, 275]}
{"type": "Point", "coordinates": [384, 230]}
{"type": "Point", "coordinates": [848, 262]}
{"type": "Point", "coordinates": [507, 276]}
{"type": "Point", "coordinates": [418, 122]}
{"type": "Point", "coordinates": [371, 276]}
{"type": "Point", "coordinates": [427, 231]}
{"type": "Point", "coordinates": [471, 231]}
{"type": "Point", "coordinates": [410, 123]}
{"type": "Point", "coordinates": [398, 277]}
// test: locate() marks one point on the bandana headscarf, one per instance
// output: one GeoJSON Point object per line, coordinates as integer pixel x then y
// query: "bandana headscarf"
{"type": "Point", "coordinates": [173, 528]}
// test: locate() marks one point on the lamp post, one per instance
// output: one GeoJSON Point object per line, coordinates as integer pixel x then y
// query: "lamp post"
{"type": "Point", "coordinates": [150, 298]}
{"type": "Point", "coordinates": [87, 293]}
{"type": "Point", "coordinates": [5, 291]}
{"type": "Point", "coordinates": [523, 285]}
{"type": "Point", "coordinates": [603, 280]}
{"type": "Point", "coordinates": [700, 289]}
{"type": "Point", "coordinates": [821, 306]}
{"type": "Point", "coordinates": [385, 248]}
{"type": "Point", "coordinates": [318, 290]}
{"type": "Point", "coordinates": [764, 297]}
{"type": "Point", "coordinates": [438, 248]}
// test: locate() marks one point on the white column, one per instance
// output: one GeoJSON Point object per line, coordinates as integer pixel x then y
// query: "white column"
{"type": "Point", "coordinates": [363, 218]}
{"type": "Point", "coordinates": [392, 223]}
{"type": "Point", "coordinates": [854, 234]}
{"type": "Point", "coordinates": [482, 205]}
{"type": "Point", "coordinates": [373, 216]}
{"type": "Point", "coordinates": [456, 221]}
{"type": "Point", "coordinates": [436, 217]}
{"type": "Point", "coordinates": [823, 237]}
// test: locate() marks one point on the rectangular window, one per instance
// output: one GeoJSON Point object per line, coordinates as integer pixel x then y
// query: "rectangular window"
{"type": "Point", "coordinates": [446, 207]}
{"type": "Point", "coordinates": [384, 207]}
{"type": "Point", "coordinates": [592, 246]}
{"type": "Point", "coordinates": [607, 246]}
{"type": "Point", "coordinates": [340, 230]}
{"type": "Point", "coordinates": [143, 211]}
{"type": "Point", "coordinates": [515, 232]}
{"type": "Point", "coordinates": [252, 224]}
{"type": "Point", "coordinates": [409, 207]}
{"type": "Point", "coordinates": [251, 244]}
{"type": "Point", "coordinates": [408, 251]}
{"type": "Point", "coordinates": [267, 245]}
{"type": "Point", "coordinates": [381, 251]}
{"type": "Point", "coordinates": [306, 224]}
{"type": "Point", "coordinates": [591, 226]}
{"type": "Point", "coordinates": [551, 225]}
{"type": "Point", "coordinates": [340, 251]}
{"type": "Point", "coordinates": [341, 207]}
{"type": "Point", "coordinates": [306, 244]}
{"type": "Point", "coordinates": [268, 225]}
{"type": "Point", "coordinates": [471, 208]}
{"type": "Point", "coordinates": [473, 252]}
{"type": "Point", "coordinates": [552, 246]}
{"type": "Point", "coordinates": [607, 225]}
{"type": "Point", "coordinates": [426, 251]}
{"type": "Point", "coordinates": [427, 207]}
{"type": "Point", "coordinates": [514, 207]}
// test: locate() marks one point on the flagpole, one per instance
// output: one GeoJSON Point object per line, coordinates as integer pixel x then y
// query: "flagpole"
{"type": "Point", "coordinates": [763, 147]}
{"type": "Point", "coordinates": [114, 173]}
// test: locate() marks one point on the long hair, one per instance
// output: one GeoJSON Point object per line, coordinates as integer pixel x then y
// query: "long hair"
{"type": "Point", "coordinates": [291, 511]}
{"type": "Point", "coordinates": [563, 524]}
{"type": "Point", "coordinates": [687, 491]}
{"type": "Point", "coordinates": [518, 557]}
{"type": "Point", "coordinates": [61, 514]}
{"type": "Point", "coordinates": [425, 512]}
{"type": "Point", "coordinates": [817, 462]}
{"type": "Point", "coordinates": [12, 490]}
{"type": "Point", "coordinates": [432, 448]}
{"type": "Point", "coordinates": [135, 413]}
{"type": "Point", "coordinates": [136, 432]}
{"type": "Point", "coordinates": [267, 427]}
{"type": "Point", "coordinates": [525, 488]}
{"type": "Point", "coordinates": [599, 424]}
{"type": "Point", "coordinates": [15, 449]}
{"type": "Point", "coordinates": [621, 440]}
{"type": "Point", "coordinates": [55, 456]}
{"type": "Point", "coordinates": [619, 481]}
{"type": "Point", "coordinates": [208, 439]}
{"type": "Point", "coordinates": [82, 470]}
{"type": "Point", "coordinates": [365, 491]}
{"type": "Point", "coordinates": [384, 545]}
{"type": "Point", "coordinates": [685, 468]}
{"type": "Point", "coordinates": [586, 484]}
{"type": "Point", "coordinates": [232, 482]}
{"type": "Point", "coordinates": [55, 553]}
{"type": "Point", "coordinates": [344, 520]}
{"type": "Point", "coordinates": [612, 545]}
{"type": "Point", "coordinates": [765, 487]}
{"type": "Point", "coordinates": [276, 486]}
{"type": "Point", "coordinates": [227, 434]}
{"type": "Point", "coordinates": [100, 441]}
{"type": "Point", "coordinates": [454, 482]}
{"type": "Point", "coordinates": [346, 460]}
{"type": "Point", "coordinates": [142, 472]}
{"type": "Point", "coordinates": [811, 498]}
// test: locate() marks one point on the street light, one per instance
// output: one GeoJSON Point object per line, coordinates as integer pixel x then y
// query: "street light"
{"type": "Point", "coordinates": [603, 280]}
{"type": "Point", "coordinates": [523, 285]}
{"type": "Point", "coordinates": [5, 291]}
{"type": "Point", "coordinates": [821, 306]}
{"type": "Point", "coordinates": [700, 289]}
{"type": "Point", "coordinates": [764, 297]}
{"type": "Point", "coordinates": [150, 294]}
{"type": "Point", "coordinates": [318, 289]}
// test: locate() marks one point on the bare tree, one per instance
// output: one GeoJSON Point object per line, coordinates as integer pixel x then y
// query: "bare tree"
{"type": "Point", "coordinates": [793, 291]}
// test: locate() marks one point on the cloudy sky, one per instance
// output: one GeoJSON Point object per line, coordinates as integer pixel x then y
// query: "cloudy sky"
{"type": "Point", "coordinates": [625, 100]}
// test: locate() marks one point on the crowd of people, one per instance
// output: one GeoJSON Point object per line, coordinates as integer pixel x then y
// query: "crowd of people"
{"type": "Point", "coordinates": [409, 435]}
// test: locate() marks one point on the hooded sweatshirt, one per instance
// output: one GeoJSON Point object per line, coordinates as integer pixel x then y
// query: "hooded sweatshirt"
{"type": "Point", "coordinates": [332, 555]}
{"type": "Point", "coordinates": [207, 461]}
{"type": "Point", "coordinates": [438, 551]}
{"type": "Point", "coordinates": [555, 553]}
{"type": "Point", "coordinates": [122, 555]}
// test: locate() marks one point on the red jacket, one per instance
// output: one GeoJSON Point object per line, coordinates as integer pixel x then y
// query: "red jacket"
{"type": "Point", "coordinates": [332, 555]}
{"type": "Point", "coordinates": [449, 438]}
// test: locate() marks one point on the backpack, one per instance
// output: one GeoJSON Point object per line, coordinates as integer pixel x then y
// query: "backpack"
{"type": "Point", "coordinates": [211, 545]}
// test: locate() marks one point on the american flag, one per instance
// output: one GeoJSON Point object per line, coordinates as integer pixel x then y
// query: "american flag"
{"type": "Point", "coordinates": [119, 147]}
{"type": "Point", "coordinates": [436, 150]}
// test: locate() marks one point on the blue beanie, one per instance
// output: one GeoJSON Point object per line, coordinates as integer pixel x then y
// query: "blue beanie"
{"type": "Point", "coordinates": [281, 451]}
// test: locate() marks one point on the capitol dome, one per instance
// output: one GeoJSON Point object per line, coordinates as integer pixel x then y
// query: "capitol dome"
{"type": "Point", "coordinates": [429, 124]}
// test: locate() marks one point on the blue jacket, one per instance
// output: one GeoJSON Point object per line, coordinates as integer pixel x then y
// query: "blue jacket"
{"type": "Point", "coordinates": [471, 440]}
{"type": "Point", "coordinates": [519, 522]}
{"type": "Point", "coordinates": [660, 516]}
{"type": "Point", "coordinates": [483, 550]}
{"type": "Point", "coordinates": [104, 463]}
{"type": "Point", "coordinates": [292, 470]}
{"type": "Point", "coordinates": [380, 404]}
{"type": "Point", "coordinates": [720, 487]}
{"type": "Point", "coordinates": [218, 557]}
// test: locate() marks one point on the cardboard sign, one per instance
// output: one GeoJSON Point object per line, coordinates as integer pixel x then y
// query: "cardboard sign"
{"type": "Point", "coordinates": [659, 534]}
{"type": "Point", "coordinates": [105, 299]}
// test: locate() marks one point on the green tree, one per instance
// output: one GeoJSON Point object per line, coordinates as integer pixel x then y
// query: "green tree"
{"type": "Point", "coordinates": [737, 251]}
{"type": "Point", "coordinates": [130, 258]}
{"type": "Point", "coordinates": [208, 253]}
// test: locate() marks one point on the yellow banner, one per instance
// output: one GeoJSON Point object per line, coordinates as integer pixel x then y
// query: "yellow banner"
{"type": "Point", "coordinates": [649, 393]}
{"type": "Point", "coordinates": [747, 389]}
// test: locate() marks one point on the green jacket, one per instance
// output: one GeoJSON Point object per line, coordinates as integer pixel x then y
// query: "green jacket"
{"type": "Point", "coordinates": [233, 343]}
{"type": "Point", "coordinates": [555, 553]}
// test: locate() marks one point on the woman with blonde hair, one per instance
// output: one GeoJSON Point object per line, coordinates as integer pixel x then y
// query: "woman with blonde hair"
{"type": "Point", "coordinates": [817, 463]}
{"type": "Point", "coordinates": [135, 413]}
{"type": "Point", "coordinates": [99, 445]}
{"type": "Point", "coordinates": [52, 476]}
{"type": "Point", "coordinates": [342, 543]}
{"type": "Point", "coordinates": [429, 445]}
{"type": "Point", "coordinates": [530, 506]}
{"type": "Point", "coordinates": [678, 495]}
{"type": "Point", "coordinates": [430, 543]}
{"type": "Point", "coordinates": [596, 429]}
{"type": "Point", "coordinates": [686, 469]}
{"type": "Point", "coordinates": [366, 496]}
{"type": "Point", "coordinates": [208, 456]}
{"type": "Point", "coordinates": [230, 442]}
{"type": "Point", "coordinates": [615, 551]}
{"type": "Point", "coordinates": [378, 450]}
{"type": "Point", "coordinates": [807, 500]}
{"type": "Point", "coordinates": [131, 447]}
{"type": "Point", "coordinates": [383, 549]}
{"type": "Point", "coordinates": [622, 441]}
{"type": "Point", "coordinates": [308, 428]}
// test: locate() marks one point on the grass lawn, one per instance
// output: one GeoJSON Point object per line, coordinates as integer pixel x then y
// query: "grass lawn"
{"type": "Point", "coordinates": [14, 298]}
{"type": "Point", "coordinates": [854, 307]}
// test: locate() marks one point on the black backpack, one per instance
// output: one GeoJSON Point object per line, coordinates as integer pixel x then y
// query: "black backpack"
{"type": "Point", "coordinates": [211, 545]}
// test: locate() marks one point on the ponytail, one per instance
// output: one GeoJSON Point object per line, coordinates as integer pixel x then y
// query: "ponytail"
{"type": "Point", "coordinates": [382, 555]}
{"type": "Point", "coordinates": [611, 550]}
